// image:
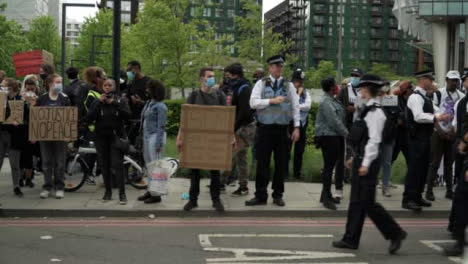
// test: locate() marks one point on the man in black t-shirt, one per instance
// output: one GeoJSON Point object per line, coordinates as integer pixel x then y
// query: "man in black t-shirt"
{"type": "Point", "coordinates": [136, 92]}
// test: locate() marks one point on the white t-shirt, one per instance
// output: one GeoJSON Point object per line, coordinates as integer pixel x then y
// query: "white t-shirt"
{"type": "Point", "coordinates": [447, 104]}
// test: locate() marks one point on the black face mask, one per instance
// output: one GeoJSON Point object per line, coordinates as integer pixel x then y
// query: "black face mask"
{"type": "Point", "coordinates": [255, 80]}
{"type": "Point", "coordinates": [226, 80]}
{"type": "Point", "coordinates": [43, 76]}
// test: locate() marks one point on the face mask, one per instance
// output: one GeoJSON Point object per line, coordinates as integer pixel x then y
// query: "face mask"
{"type": "Point", "coordinates": [43, 76]}
{"type": "Point", "coordinates": [58, 88]}
{"type": "Point", "coordinates": [4, 89]}
{"type": "Point", "coordinates": [30, 94]}
{"type": "Point", "coordinates": [355, 81]}
{"type": "Point", "coordinates": [37, 83]}
{"type": "Point", "coordinates": [130, 75]}
{"type": "Point", "coordinates": [210, 82]}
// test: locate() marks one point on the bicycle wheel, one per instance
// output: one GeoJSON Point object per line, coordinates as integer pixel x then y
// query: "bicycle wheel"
{"type": "Point", "coordinates": [135, 177]}
{"type": "Point", "coordinates": [75, 174]}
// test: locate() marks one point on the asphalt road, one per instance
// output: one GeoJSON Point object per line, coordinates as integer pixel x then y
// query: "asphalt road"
{"type": "Point", "coordinates": [209, 241]}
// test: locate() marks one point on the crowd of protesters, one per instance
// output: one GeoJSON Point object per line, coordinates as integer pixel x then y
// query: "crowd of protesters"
{"type": "Point", "coordinates": [360, 128]}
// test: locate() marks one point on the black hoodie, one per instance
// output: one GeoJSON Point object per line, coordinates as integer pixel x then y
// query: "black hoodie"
{"type": "Point", "coordinates": [241, 100]}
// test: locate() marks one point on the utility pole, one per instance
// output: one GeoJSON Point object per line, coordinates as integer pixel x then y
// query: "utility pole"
{"type": "Point", "coordinates": [339, 72]}
{"type": "Point", "coordinates": [116, 44]}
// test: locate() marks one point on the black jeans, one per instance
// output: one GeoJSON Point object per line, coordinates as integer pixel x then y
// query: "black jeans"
{"type": "Point", "coordinates": [215, 185]}
{"type": "Point", "coordinates": [362, 203]}
{"type": "Point", "coordinates": [271, 140]}
{"type": "Point", "coordinates": [418, 166]}
{"type": "Point", "coordinates": [299, 148]}
{"type": "Point", "coordinates": [440, 148]}
{"type": "Point", "coordinates": [401, 144]}
{"type": "Point", "coordinates": [333, 156]}
{"type": "Point", "coordinates": [111, 162]}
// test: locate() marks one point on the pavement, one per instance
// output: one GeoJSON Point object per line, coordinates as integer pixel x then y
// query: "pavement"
{"type": "Point", "coordinates": [212, 241]}
{"type": "Point", "coordinates": [302, 200]}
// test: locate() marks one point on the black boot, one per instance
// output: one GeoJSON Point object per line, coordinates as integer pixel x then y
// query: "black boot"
{"type": "Point", "coordinates": [18, 192]}
{"type": "Point", "coordinates": [29, 183]}
{"type": "Point", "coordinates": [107, 196]}
{"type": "Point", "coordinates": [122, 198]}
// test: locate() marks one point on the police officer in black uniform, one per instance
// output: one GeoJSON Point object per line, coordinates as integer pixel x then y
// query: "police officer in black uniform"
{"type": "Point", "coordinates": [365, 137]}
{"type": "Point", "coordinates": [421, 116]}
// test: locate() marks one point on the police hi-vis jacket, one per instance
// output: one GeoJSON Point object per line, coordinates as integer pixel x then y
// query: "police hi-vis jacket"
{"type": "Point", "coordinates": [280, 114]}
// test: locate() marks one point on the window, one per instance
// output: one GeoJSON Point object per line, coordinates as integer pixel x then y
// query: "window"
{"type": "Point", "coordinates": [219, 12]}
{"type": "Point", "coordinates": [376, 21]}
{"type": "Point", "coordinates": [230, 13]}
{"type": "Point", "coordinates": [193, 11]}
{"type": "Point", "coordinates": [207, 12]}
{"type": "Point", "coordinates": [319, 20]}
{"type": "Point", "coordinates": [68, 26]}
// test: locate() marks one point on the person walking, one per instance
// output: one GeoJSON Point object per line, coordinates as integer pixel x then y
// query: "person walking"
{"type": "Point", "coordinates": [330, 133]}
{"type": "Point", "coordinates": [207, 95]}
{"type": "Point", "coordinates": [277, 104]}
{"type": "Point", "coordinates": [443, 138]}
{"type": "Point", "coordinates": [53, 153]}
{"type": "Point", "coordinates": [365, 136]}
{"type": "Point", "coordinates": [153, 128]}
{"type": "Point", "coordinates": [108, 114]}
{"type": "Point", "coordinates": [421, 116]}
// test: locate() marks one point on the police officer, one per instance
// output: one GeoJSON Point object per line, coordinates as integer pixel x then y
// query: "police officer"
{"type": "Point", "coordinates": [305, 103]}
{"type": "Point", "coordinates": [460, 203]}
{"type": "Point", "coordinates": [277, 103]}
{"type": "Point", "coordinates": [365, 137]}
{"type": "Point", "coordinates": [421, 116]}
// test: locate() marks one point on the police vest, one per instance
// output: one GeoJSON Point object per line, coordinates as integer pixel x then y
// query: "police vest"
{"type": "Point", "coordinates": [279, 114]}
{"type": "Point", "coordinates": [97, 95]}
{"type": "Point", "coordinates": [421, 130]}
{"type": "Point", "coordinates": [303, 114]}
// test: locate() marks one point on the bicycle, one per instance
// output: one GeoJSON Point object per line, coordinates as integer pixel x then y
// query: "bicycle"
{"type": "Point", "coordinates": [78, 170]}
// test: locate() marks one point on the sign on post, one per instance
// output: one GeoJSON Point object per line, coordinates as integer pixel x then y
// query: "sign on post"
{"type": "Point", "coordinates": [207, 133]}
{"type": "Point", "coordinates": [3, 100]}
{"type": "Point", "coordinates": [53, 124]}
{"type": "Point", "coordinates": [16, 112]}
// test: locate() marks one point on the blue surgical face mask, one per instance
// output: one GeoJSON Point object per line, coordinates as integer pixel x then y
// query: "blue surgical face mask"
{"type": "Point", "coordinates": [58, 88]}
{"type": "Point", "coordinates": [355, 81]}
{"type": "Point", "coordinates": [210, 82]}
{"type": "Point", "coordinates": [130, 75]}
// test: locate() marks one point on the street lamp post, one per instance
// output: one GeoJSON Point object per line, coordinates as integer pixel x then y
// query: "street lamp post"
{"type": "Point", "coordinates": [116, 44]}
{"type": "Point", "coordinates": [93, 52]}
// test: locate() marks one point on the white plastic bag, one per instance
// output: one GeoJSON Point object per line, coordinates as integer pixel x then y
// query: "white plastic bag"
{"type": "Point", "coordinates": [159, 173]}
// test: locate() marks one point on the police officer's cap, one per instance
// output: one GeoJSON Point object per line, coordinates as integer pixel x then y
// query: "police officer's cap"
{"type": "Point", "coordinates": [357, 72]}
{"type": "Point", "coordinates": [425, 74]}
{"type": "Point", "coordinates": [372, 80]}
{"type": "Point", "coordinates": [298, 75]}
{"type": "Point", "coordinates": [277, 59]}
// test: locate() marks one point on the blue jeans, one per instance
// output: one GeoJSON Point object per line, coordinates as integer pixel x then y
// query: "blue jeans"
{"type": "Point", "coordinates": [387, 153]}
{"type": "Point", "coordinates": [149, 149]}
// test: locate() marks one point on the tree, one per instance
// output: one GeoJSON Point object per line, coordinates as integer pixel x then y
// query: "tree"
{"type": "Point", "coordinates": [255, 43]}
{"type": "Point", "coordinates": [325, 69]}
{"type": "Point", "coordinates": [384, 71]}
{"type": "Point", "coordinates": [12, 41]}
{"type": "Point", "coordinates": [101, 24]}
{"type": "Point", "coordinates": [43, 34]}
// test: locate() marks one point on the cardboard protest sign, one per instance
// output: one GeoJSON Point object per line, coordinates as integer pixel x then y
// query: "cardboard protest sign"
{"type": "Point", "coordinates": [53, 123]}
{"type": "Point", "coordinates": [3, 100]}
{"type": "Point", "coordinates": [389, 100]}
{"type": "Point", "coordinates": [30, 62]}
{"type": "Point", "coordinates": [207, 134]}
{"type": "Point", "coordinates": [16, 112]}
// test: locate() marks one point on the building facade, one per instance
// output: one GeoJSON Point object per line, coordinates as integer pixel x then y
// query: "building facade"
{"type": "Point", "coordinates": [369, 34]}
{"type": "Point", "coordinates": [72, 31]}
{"type": "Point", "coordinates": [23, 11]}
{"type": "Point", "coordinates": [221, 15]}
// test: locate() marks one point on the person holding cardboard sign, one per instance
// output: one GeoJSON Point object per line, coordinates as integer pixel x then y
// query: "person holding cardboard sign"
{"type": "Point", "coordinates": [18, 134]}
{"type": "Point", "coordinates": [53, 152]}
{"type": "Point", "coordinates": [277, 104]}
{"type": "Point", "coordinates": [205, 96]}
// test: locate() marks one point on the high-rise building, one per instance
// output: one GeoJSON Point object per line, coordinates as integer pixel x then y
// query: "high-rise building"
{"type": "Point", "coordinates": [54, 10]}
{"type": "Point", "coordinates": [23, 11]}
{"type": "Point", "coordinates": [72, 31]}
{"type": "Point", "coordinates": [129, 9]}
{"type": "Point", "coordinates": [220, 14]}
{"type": "Point", "coordinates": [368, 28]}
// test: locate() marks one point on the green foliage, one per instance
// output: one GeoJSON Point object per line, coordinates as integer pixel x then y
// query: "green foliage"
{"type": "Point", "coordinates": [324, 70]}
{"type": "Point", "coordinates": [173, 116]}
{"type": "Point", "coordinates": [43, 34]}
{"type": "Point", "coordinates": [12, 41]}
{"type": "Point", "coordinates": [384, 71]}
{"type": "Point", "coordinates": [101, 24]}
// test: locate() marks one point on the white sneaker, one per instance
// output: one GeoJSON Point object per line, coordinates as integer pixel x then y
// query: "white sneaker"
{"type": "Point", "coordinates": [59, 194]}
{"type": "Point", "coordinates": [339, 194]}
{"type": "Point", "coordinates": [44, 194]}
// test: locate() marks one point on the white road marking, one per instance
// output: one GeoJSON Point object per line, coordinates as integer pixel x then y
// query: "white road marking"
{"type": "Point", "coordinates": [205, 238]}
{"type": "Point", "coordinates": [433, 245]}
{"type": "Point", "coordinates": [256, 256]}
